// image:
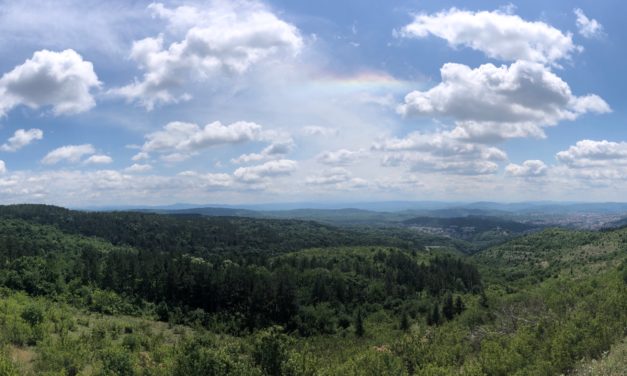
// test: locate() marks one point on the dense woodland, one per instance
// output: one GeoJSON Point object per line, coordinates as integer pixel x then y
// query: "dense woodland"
{"type": "Point", "coordinates": [148, 294]}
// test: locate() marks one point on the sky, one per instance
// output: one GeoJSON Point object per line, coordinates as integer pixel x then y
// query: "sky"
{"type": "Point", "coordinates": [241, 102]}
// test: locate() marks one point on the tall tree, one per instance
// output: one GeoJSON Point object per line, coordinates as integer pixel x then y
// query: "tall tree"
{"type": "Point", "coordinates": [359, 324]}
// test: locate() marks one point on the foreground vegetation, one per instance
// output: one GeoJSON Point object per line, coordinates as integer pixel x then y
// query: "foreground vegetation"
{"type": "Point", "coordinates": [144, 294]}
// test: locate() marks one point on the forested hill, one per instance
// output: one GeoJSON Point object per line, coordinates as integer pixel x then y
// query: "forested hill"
{"type": "Point", "coordinates": [204, 235]}
{"type": "Point", "coordinates": [473, 222]}
{"type": "Point", "coordinates": [51, 254]}
{"type": "Point", "coordinates": [90, 293]}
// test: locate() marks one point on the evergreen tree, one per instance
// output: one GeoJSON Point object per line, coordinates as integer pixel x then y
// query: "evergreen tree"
{"type": "Point", "coordinates": [483, 300]}
{"type": "Point", "coordinates": [359, 324]}
{"type": "Point", "coordinates": [405, 322]}
{"type": "Point", "coordinates": [448, 309]}
{"type": "Point", "coordinates": [434, 317]}
{"type": "Point", "coordinates": [459, 305]}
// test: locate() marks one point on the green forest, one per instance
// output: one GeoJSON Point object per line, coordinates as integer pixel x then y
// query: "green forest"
{"type": "Point", "coordinates": [124, 293]}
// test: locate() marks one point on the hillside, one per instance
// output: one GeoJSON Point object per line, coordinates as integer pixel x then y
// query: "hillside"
{"type": "Point", "coordinates": [205, 235]}
{"type": "Point", "coordinates": [82, 294]}
{"type": "Point", "coordinates": [554, 251]}
{"type": "Point", "coordinates": [481, 231]}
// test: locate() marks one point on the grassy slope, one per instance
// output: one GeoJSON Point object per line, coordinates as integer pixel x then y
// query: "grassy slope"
{"type": "Point", "coordinates": [612, 363]}
{"type": "Point", "coordinates": [548, 280]}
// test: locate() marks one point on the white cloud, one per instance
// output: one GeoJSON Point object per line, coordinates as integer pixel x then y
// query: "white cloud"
{"type": "Point", "coordinates": [529, 168]}
{"type": "Point", "coordinates": [442, 144]}
{"type": "Point", "coordinates": [62, 80]}
{"type": "Point", "coordinates": [140, 156]}
{"type": "Point", "coordinates": [440, 152]}
{"type": "Point", "coordinates": [91, 187]}
{"type": "Point", "coordinates": [248, 158]}
{"type": "Point", "coordinates": [588, 28]}
{"type": "Point", "coordinates": [138, 168]}
{"type": "Point", "coordinates": [338, 157]}
{"type": "Point", "coordinates": [3, 167]}
{"type": "Point", "coordinates": [494, 132]}
{"type": "Point", "coordinates": [497, 34]}
{"type": "Point", "coordinates": [188, 137]}
{"type": "Point", "coordinates": [275, 150]}
{"type": "Point", "coordinates": [258, 173]}
{"type": "Point", "coordinates": [224, 37]}
{"type": "Point", "coordinates": [279, 147]}
{"type": "Point", "coordinates": [590, 163]}
{"type": "Point", "coordinates": [330, 176]}
{"type": "Point", "coordinates": [69, 153]}
{"type": "Point", "coordinates": [21, 138]}
{"type": "Point", "coordinates": [590, 153]}
{"type": "Point", "coordinates": [99, 159]}
{"type": "Point", "coordinates": [495, 103]}
{"type": "Point", "coordinates": [424, 162]}
{"type": "Point", "coordinates": [175, 157]}
{"type": "Point", "coordinates": [338, 177]}
{"type": "Point", "coordinates": [210, 180]}
{"type": "Point", "coordinates": [314, 130]}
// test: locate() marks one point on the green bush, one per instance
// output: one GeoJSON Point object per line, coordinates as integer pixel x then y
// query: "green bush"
{"type": "Point", "coordinates": [117, 362]}
{"type": "Point", "coordinates": [374, 363]}
{"type": "Point", "coordinates": [7, 368]}
{"type": "Point", "coordinates": [271, 351]}
{"type": "Point", "coordinates": [66, 355]}
{"type": "Point", "coordinates": [319, 319]}
{"type": "Point", "coordinates": [198, 358]}
{"type": "Point", "coordinates": [33, 314]}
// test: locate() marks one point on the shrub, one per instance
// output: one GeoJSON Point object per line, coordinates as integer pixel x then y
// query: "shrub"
{"type": "Point", "coordinates": [271, 351]}
{"type": "Point", "coordinates": [198, 358]}
{"type": "Point", "coordinates": [7, 368]}
{"type": "Point", "coordinates": [117, 362]}
{"type": "Point", "coordinates": [33, 314]}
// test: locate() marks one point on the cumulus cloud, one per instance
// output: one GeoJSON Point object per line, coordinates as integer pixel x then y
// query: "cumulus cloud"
{"type": "Point", "coordinates": [279, 147]}
{"type": "Point", "coordinates": [72, 187]}
{"type": "Point", "coordinates": [175, 157]}
{"type": "Point", "coordinates": [590, 153]}
{"type": "Point", "coordinates": [338, 157]}
{"type": "Point", "coordinates": [423, 162]}
{"type": "Point", "coordinates": [593, 163]}
{"type": "Point", "coordinates": [499, 35]}
{"type": "Point", "coordinates": [248, 158]}
{"type": "Point", "coordinates": [338, 177]}
{"type": "Point", "coordinates": [138, 168]}
{"type": "Point", "coordinates": [490, 132]}
{"type": "Point", "coordinates": [588, 28]}
{"type": "Point", "coordinates": [442, 144]}
{"type": "Point", "coordinates": [275, 150]}
{"type": "Point", "coordinates": [440, 152]}
{"type": "Point", "coordinates": [62, 80]}
{"type": "Point", "coordinates": [491, 103]}
{"type": "Point", "coordinates": [99, 159]}
{"type": "Point", "coordinates": [140, 156]}
{"type": "Point", "coordinates": [21, 138]}
{"type": "Point", "coordinates": [188, 137]}
{"type": "Point", "coordinates": [69, 153]}
{"type": "Point", "coordinates": [529, 168]}
{"type": "Point", "coordinates": [3, 167]}
{"type": "Point", "coordinates": [258, 173]}
{"type": "Point", "coordinates": [314, 130]}
{"type": "Point", "coordinates": [225, 37]}
{"type": "Point", "coordinates": [210, 180]}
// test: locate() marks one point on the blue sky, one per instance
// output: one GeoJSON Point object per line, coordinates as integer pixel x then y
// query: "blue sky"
{"type": "Point", "coordinates": [242, 101]}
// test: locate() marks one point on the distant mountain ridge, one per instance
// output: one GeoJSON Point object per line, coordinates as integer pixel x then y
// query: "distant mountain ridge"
{"type": "Point", "coordinates": [394, 206]}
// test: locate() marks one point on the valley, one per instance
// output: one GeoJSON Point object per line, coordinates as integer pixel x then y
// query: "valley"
{"type": "Point", "coordinates": [134, 293]}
